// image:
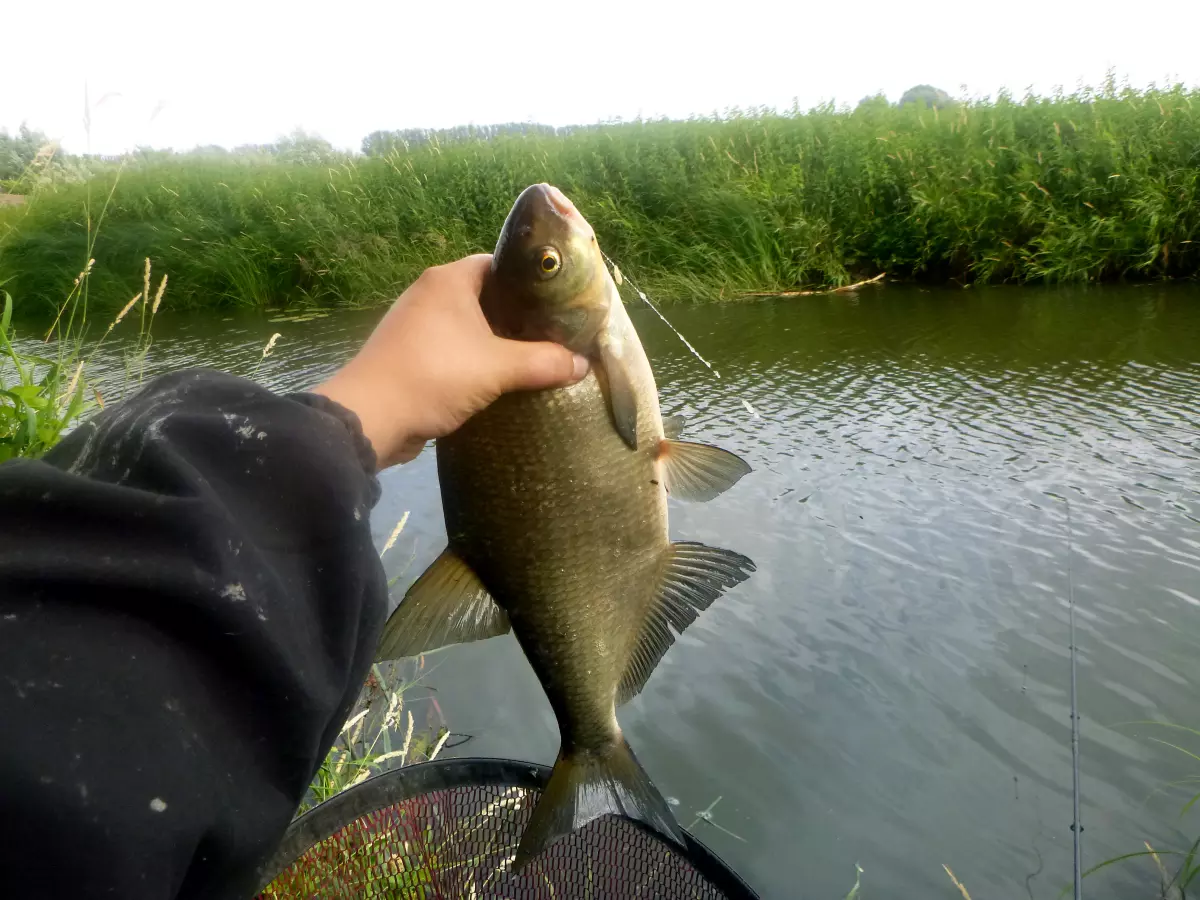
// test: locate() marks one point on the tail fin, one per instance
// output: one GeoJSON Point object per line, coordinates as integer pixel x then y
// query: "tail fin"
{"type": "Point", "coordinates": [587, 785]}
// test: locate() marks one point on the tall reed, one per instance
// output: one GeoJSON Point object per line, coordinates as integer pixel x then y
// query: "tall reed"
{"type": "Point", "coordinates": [1092, 185]}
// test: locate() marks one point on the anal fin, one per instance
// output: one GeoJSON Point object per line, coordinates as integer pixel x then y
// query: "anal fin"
{"type": "Point", "coordinates": [448, 604]}
{"type": "Point", "coordinates": [691, 577]}
{"type": "Point", "coordinates": [699, 472]}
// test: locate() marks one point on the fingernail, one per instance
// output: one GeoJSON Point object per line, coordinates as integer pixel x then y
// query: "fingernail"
{"type": "Point", "coordinates": [581, 367]}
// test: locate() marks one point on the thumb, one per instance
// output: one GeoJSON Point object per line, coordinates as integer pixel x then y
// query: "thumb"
{"type": "Point", "coordinates": [531, 366]}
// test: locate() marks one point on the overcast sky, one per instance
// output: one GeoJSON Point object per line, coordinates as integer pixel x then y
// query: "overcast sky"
{"type": "Point", "coordinates": [172, 74]}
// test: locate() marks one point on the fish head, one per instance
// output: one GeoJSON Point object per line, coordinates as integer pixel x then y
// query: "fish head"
{"type": "Point", "coordinates": [548, 279]}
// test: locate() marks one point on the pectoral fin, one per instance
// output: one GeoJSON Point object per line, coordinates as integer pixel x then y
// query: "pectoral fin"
{"type": "Point", "coordinates": [448, 604]}
{"type": "Point", "coordinates": [622, 397]}
{"type": "Point", "coordinates": [699, 472]}
{"type": "Point", "coordinates": [691, 577]}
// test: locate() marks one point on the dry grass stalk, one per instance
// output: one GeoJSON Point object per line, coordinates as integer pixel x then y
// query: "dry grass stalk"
{"type": "Point", "coordinates": [162, 286]}
{"type": "Point", "coordinates": [407, 740]}
{"type": "Point", "coordinates": [958, 884]}
{"type": "Point", "coordinates": [124, 311]}
{"type": "Point", "coordinates": [271, 344]}
{"type": "Point", "coordinates": [438, 746]}
{"type": "Point", "coordinates": [353, 728]}
{"type": "Point", "coordinates": [87, 270]}
{"type": "Point", "coordinates": [74, 381]}
{"type": "Point", "coordinates": [391, 541]}
{"type": "Point", "coordinates": [845, 289]}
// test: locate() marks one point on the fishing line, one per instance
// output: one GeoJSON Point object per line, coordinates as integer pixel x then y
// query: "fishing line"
{"type": "Point", "coordinates": [1076, 826]}
{"type": "Point", "coordinates": [619, 277]}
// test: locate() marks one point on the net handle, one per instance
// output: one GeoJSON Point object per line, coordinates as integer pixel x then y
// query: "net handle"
{"type": "Point", "coordinates": [409, 782]}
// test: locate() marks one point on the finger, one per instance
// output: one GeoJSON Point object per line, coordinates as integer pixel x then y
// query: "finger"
{"type": "Point", "coordinates": [534, 365]}
{"type": "Point", "coordinates": [472, 269]}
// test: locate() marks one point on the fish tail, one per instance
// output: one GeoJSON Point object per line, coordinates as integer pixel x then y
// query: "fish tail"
{"type": "Point", "coordinates": [587, 785]}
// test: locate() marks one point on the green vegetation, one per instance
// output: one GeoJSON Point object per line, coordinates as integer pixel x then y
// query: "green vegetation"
{"type": "Point", "coordinates": [43, 393]}
{"type": "Point", "coordinates": [927, 95]}
{"type": "Point", "coordinates": [365, 744]}
{"type": "Point", "coordinates": [1094, 185]}
{"type": "Point", "coordinates": [17, 153]}
{"type": "Point", "coordinates": [30, 162]}
{"type": "Point", "coordinates": [37, 403]}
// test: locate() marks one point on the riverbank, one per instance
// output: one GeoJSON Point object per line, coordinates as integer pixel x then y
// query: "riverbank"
{"type": "Point", "coordinates": [1091, 186]}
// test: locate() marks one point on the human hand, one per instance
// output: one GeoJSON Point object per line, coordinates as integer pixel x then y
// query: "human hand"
{"type": "Point", "coordinates": [432, 362]}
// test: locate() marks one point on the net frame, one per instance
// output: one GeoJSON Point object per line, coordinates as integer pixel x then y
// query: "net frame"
{"type": "Point", "coordinates": [381, 793]}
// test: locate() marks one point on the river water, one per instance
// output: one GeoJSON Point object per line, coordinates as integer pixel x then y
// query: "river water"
{"type": "Point", "coordinates": [932, 470]}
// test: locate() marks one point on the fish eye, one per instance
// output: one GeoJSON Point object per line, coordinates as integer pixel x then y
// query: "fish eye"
{"type": "Point", "coordinates": [549, 262]}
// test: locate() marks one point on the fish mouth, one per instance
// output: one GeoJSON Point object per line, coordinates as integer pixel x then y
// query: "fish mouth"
{"type": "Point", "coordinates": [544, 214]}
{"type": "Point", "coordinates": [558, 201]}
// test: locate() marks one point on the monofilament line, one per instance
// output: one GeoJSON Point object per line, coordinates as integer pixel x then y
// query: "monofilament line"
{"type": "Point", "coordinates": [642, 294]}
{"type": "Point", "coordinates": [1076, 826]}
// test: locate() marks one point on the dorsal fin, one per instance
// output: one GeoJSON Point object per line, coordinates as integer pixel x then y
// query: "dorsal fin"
{"type": "Point", "coordinates": [691, 577]}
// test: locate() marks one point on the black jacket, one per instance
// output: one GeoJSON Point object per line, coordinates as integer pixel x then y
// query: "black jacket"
{"type": "Point", "coordinates": [189, 602]}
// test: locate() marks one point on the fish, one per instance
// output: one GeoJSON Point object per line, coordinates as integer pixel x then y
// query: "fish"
{"type": "Point", "coordinates": [555, 505]}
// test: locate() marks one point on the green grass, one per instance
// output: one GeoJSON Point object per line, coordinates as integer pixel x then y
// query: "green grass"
{"type": "Point", "coordinates": [38, 399]}
{"type": "Point", "coordinates": [1090, 186]}
{"type": "Point", "coordinates": [365, 745]}
{"type": "Point", "coordinates": [45, 386]}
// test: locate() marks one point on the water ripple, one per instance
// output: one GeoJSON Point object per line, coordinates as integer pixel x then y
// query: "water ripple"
{"type": "Point", "coordinates": [891, 686]}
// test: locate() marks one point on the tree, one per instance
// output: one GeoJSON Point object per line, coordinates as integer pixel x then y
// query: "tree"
{"type": "Point", "coordinates": [380, 143]}
{"type": "Point", "coordinates": [873, 101]}
{"type": "Point", "coordinates": [926, 94]}
{"type": "Point", "coordinates": [302, 147]}
{"type": "Point", "coordinates": [18, 152]}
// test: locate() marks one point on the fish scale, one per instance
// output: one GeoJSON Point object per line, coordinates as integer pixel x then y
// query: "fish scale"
{"type": "Point", "coordinates": [582, 574]}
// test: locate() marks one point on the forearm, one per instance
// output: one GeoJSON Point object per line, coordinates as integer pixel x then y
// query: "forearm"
{"type": "Point", "coordinates": [189, 600]}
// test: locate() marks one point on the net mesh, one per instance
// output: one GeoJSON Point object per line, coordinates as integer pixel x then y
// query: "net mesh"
{"type": "Point", "coordinates": [458, 842]}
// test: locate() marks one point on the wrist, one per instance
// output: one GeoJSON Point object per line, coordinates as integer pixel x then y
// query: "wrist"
{"type": "Point", "coordinates": [363, 448]}
{"type": "Point", "coordinates": [380, 413]}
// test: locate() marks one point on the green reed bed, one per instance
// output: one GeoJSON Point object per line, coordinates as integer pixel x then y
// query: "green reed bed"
{"type": "Point", "coordinates": [1089, 186]}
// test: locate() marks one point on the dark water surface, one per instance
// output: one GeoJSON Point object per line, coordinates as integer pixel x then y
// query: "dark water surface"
{"type": "Point", "coordinates": [892, 686]}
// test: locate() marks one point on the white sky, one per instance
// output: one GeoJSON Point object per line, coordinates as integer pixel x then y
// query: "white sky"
{"type": "Point", "coordinates": [222, 72]}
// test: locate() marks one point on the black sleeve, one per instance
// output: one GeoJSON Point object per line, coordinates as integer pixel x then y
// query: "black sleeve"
{"type": "Point", "coordinates": [189, 602]}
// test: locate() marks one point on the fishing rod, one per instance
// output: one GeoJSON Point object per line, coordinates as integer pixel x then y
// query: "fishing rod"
{"type": "Point", "coordinates": [1076, 827]}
